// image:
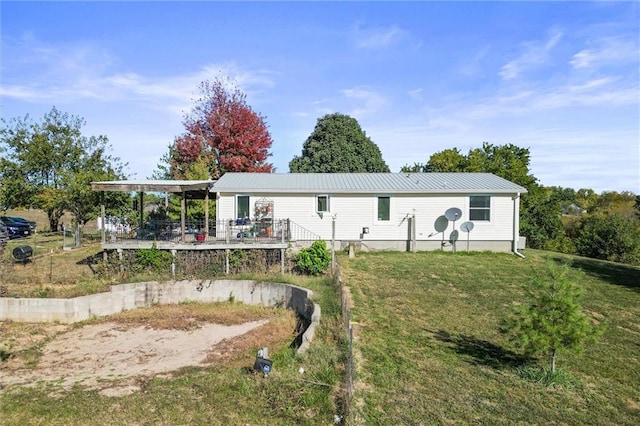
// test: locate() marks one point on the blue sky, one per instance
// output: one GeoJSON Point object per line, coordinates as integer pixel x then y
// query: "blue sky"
{"type": "Point", "coordinates": [559, 78]}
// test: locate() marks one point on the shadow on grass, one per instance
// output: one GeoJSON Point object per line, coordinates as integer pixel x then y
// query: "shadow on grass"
{"type": "Point", "coordinates": [483, 352]}
{"type": "Point", "coordinates": [91, 261]}
{"type": "Point", "coordinates": [614, 273]}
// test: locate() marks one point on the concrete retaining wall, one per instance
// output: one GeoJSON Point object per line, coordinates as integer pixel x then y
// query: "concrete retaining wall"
{"type": "Point", "coordinates": [125, 297]}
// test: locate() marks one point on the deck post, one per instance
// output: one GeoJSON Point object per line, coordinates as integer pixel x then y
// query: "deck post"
{"type": "Point", "coordinates": [206, 213]}
{"type": "Point", "coordinates": [282, 253]}
{"type": "Point", "coordinates": [173, 262]}
{"type": "Point", "coordinates": [183, 204]}
{"type": "Point", "coordinates": [120, 254]}
{"type": "Point", "coordinates": [103, 236]}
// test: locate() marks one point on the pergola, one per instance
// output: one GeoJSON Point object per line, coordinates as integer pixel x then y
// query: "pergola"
{"type": "Point", "coordinates": [190, 189]}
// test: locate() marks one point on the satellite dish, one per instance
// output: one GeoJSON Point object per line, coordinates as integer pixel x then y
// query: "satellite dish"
{"type": "Point", "coordinates": [453, 213]}
{"type": "Point", "coordinates": [441, 224]}
{"type": "Point", "coordinates": [453, 237]}
{"type": "Point", "coordinates": [466, 227]}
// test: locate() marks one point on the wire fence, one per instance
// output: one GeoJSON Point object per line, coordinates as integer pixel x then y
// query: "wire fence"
{"type": "Point", "coordinates": [345, 304]}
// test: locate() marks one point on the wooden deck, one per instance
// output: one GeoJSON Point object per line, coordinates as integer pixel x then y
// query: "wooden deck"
{"type": "Point", "coordinates": [246, 244]}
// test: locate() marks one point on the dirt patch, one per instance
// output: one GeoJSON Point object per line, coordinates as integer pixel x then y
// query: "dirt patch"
{"type": "Point", "coordinates": [112, 356]}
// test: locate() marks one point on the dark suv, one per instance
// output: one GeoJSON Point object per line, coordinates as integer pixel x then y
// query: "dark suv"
{"type": "Point", "coordinates": [31, 223]}
{"type": "Point", "coordinates": [15, 229]}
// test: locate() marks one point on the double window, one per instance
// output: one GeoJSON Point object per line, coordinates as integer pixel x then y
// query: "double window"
{"type": "Point", "coordinates": [480, 207]}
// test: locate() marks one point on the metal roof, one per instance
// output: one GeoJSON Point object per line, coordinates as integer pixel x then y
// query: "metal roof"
{"type": "Point", "coordinates": [366, 183]}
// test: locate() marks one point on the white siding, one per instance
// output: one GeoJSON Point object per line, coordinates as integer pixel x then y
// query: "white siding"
{"type": "Point", "coordinates": [353, 212]}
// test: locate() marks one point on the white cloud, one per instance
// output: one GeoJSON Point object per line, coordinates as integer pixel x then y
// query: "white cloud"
{"type": "Point", "coordinates": [377, 38]}
{"type": "Point", "coordinates": [534, 54]}
{"type": "Point", "coordinates": [607, 51]}
{"type": "Point", "coordinates": [369, 101]}
{"type": "Point", "coordinates": [67, 73]}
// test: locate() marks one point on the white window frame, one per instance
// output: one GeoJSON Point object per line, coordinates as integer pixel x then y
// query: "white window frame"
{"type": "Point", "coordinates": [486, 209]}
{"type": "Point", "coordinates": [377, 209]}
{"type": "Point", "coordinates": [328, 200]}
{"type": "Point", "coordinates": [238, 206]}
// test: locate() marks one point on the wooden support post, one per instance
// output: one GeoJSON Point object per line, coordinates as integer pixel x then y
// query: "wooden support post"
{"type": "Point", "coordinates": [183, 206]}
{"type": "Point", "coordinates": [282, 254]}
{"type": "Point", "coordinates": [103, 235]}
{"type": "Point", "coordinates": [413, 233]}
{"type": "Point", "coordinates": [141, 210]}
{"type": "Point", "coordinates": [173, 262]}
{"type": "Point", "coordinates": [206, 213]}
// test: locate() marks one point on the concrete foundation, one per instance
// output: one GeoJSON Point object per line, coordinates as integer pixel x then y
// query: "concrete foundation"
{"type": "Point", "coordinates": [125, 297]}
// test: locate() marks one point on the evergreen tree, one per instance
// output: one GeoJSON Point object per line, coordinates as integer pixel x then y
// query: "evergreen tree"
{"type": "Point", "coordinates": [338, 145]}
{"type": "Point", "coordinates": [553, 321]}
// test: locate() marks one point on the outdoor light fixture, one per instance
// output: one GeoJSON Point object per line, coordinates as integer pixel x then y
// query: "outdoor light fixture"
{"type": "Point", "coordinates": [262, 364]}
{"type": "Point", "coordinates": [365, 230]}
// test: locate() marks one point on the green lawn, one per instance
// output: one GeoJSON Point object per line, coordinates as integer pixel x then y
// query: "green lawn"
{"type": "Point", "coordinates": [429, 350]}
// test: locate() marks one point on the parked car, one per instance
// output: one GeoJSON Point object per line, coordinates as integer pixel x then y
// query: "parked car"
{"type": "Point", "coordinates": [15, 229]}
{"type": "Point", "coordinates": [31, 223]}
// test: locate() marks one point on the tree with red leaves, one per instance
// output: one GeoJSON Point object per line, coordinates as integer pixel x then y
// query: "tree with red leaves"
{"type": "Point", "coordinates": [223, 134]}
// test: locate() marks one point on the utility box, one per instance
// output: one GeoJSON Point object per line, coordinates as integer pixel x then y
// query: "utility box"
{"type": "Point", "coordinates": [522, 243]}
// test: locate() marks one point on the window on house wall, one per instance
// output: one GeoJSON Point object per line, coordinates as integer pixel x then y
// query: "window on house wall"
{"type": "Point", "coordinates": [322, 203]}
{"type": "Point", "coordinates": [242, 206]}
{"type": "Point", "coordinates": [480, 207]}
{"type": "Point", "coordinates": [384, 208]}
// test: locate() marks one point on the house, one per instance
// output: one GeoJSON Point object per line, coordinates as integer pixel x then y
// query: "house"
{"type": "Point", "coordinates": [380, 211]}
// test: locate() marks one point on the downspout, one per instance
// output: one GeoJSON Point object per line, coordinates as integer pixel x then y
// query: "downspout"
{"type": "Point", "coordinates": [516, 225]}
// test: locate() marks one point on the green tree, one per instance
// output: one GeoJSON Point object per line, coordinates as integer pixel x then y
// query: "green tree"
{"type": "Point", "coordinates": [449, 160]}
{"type": "Point", "coordinates": [611, 236]}
{"type": "Point", "coordinates": [338, 145]}
{"type": "Point", "coordinates": [541, 218]}
{"type": "Point", "coordinates": [197, 169]}
{"type": "Point", "coordinates": [586, 198]}
{"type": "Point", "coordinates": [553, 320]}
{"type": "Point", "coordinates": [507, 161]}
{"type": "Point", "coordinates": [49, 165]}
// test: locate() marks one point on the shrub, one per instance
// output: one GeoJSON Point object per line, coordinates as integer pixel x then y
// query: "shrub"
{"type": "Point", "coordinates": [313, 260]}
{"type": "Point", "coordinates": [151, 259]}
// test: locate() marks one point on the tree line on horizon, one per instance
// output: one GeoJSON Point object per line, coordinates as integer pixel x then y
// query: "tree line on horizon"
{"type": "Point", "coordinates": [50, 164]}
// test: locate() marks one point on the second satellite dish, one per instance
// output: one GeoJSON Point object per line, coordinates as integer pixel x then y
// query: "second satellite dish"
{"type": "Point", "coordinates": [466, 227]}
{"type": "Point", "coordinates": [441, 224]}
{"type": "Point", "coordinates": [453, 213]}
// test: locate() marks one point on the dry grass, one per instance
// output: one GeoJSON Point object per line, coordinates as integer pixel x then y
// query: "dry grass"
{"type": "Point", "coordinates": [52, 272]}
{"type": "Point", "coordinates": [188, 315]}
{"type": "Point", "coordinates": [42, 221]}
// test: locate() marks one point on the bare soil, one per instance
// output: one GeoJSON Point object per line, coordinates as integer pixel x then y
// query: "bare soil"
{"type": "Point", "coordinates": [114, 357]}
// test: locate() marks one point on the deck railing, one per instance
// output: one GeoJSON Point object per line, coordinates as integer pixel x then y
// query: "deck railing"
{"type": "Point", "coordinates": [220, 231]}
